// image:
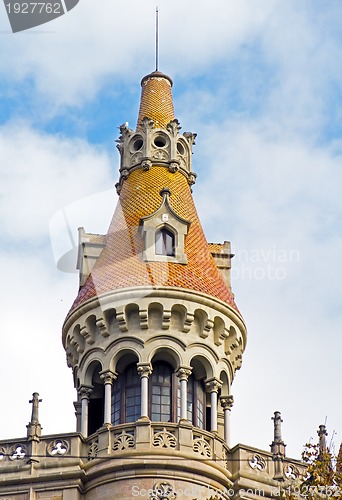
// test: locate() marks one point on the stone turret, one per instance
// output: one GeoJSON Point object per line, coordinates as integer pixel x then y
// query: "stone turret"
{"type": "Point", "coordinates": [154, 339]}
{"type": "Point", "coordinates": [154, 336]}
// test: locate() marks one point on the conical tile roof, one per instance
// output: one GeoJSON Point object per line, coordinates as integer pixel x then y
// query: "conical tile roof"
{"type": "Point", "coordinates": [121, 263]}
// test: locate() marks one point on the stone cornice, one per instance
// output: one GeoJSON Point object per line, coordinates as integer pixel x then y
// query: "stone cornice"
{"type": "Point", "coordinates": [127, 295]}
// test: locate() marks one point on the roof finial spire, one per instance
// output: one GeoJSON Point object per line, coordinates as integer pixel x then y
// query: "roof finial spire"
{"type": "Point", "coordinates": [157, 38]}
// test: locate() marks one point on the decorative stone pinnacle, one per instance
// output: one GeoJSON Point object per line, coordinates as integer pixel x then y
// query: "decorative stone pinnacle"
{"type": "Point", "coordinates": [322, 433]}
{"type": "Point", "coordinates": [34, 429]}
{"type": "Point", "coordinates": [144, 369]}
{"type": "Point", "coordinates": [277, 427]}
{"type": "Point", "coordinates": [278, 448]}
{"type": "Point", "coordinates": [227, 402]}
{"type": "Point", "coordinates": [35, 408]}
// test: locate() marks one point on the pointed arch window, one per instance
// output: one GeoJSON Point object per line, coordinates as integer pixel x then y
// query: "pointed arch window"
{"type": "Point", "coordinates": [165, 242]}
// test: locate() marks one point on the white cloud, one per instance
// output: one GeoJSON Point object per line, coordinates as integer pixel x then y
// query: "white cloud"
{"type": "Point", "coordinates": [41, 174]}
{"type": "Point", "coordinates": [279, 203]}
{"type": "Point", "coordinates": [70, 58]}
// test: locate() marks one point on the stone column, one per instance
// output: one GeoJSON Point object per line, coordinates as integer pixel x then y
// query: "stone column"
{"type": "Point", "coordinates": [213, 385]}
{"type": "Point", "coordinates": [108, 377]}
{"type": "Point", "coordinates": [84, 391]}
{"type": "Point", "coordinates": [227, 404]}
{"type": "Point", "coordinates": [183, 373]}
{"type": "Point", "coordinates": [144, 370]}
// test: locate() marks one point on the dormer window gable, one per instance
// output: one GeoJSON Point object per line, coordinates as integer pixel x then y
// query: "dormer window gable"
{"type": "Point", "coordinates": [164, 233]}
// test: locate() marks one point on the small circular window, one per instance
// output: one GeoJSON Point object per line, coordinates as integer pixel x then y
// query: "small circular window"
{"type": "Point", "coordinates": [160, 141]}
{"type": "Point", "coordinates": [137, 144]}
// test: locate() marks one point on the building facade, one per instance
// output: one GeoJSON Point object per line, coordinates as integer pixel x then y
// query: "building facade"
{"type": "Point", "coordinates": [154, 339]}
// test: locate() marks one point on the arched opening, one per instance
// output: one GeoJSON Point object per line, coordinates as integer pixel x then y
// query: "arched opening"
{"type": "Point", "coordinates": [161, 382]}
{"type": "Point", "coordinates": [96, 400]}
{"type": "Point", "coordinates": [165, 242]}
{"type": "Point", "coordinates": [126, 396]}
{"type": "Point", "coordinates": [196, 402]}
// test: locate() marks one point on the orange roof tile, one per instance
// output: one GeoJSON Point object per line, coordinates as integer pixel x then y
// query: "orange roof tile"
{"type": "Point", "coordinates": [121, 264]}
{"type": "Point", "coordinates": [215, 247]}
{"type": "Point", "coordinates": [156, 100]}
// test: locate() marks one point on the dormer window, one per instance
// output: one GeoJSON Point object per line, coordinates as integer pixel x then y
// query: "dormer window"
{"type": "Point", "coordinates": [165, 243]}
{"type": "Point", "coordinates": [164, 233]}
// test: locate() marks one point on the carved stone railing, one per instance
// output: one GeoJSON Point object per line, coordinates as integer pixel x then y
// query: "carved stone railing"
{"type": "Point", "coordinates": [138, 448]}
{"type": "Point", "coordinates": [157, 439]}
{"type": "Point", "coordinates": [255, 470]}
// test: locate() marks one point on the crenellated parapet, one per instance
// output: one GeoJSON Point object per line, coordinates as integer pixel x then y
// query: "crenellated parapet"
{"type": "Point", "coordinates": [149, 146]}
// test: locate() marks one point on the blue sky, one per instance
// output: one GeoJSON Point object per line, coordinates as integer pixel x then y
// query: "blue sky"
{"type": "Point", "coordinates": [260, 83]}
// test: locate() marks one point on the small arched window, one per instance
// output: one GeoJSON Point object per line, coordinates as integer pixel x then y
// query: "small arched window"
{"type": "Point", "coordinates": [165, 242]}
{"type": "Point", "coordinates": [126, 397]}
{"type": "Point", "coordinates": [196, 403]}
{"type": "Point", "coordinates": [161, 393]}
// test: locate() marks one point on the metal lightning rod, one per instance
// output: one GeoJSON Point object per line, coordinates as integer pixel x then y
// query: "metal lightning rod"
{"type": "Point", "coordinates": [157, 37]}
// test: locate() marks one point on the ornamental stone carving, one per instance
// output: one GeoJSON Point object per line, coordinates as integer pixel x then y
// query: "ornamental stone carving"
{"type": "Point", "coordinates": [85, 391]}
{"type": "Point", "coordinates": [213, 385]}
{"type": "Point", "coordinates": [147, 124]}
{"type": "Point", "coordinates": [173, 127]}
{"type": "Point", "coordinates": [174, 166]}
{"type": "Point", "coordinates": [108, 377]}
{"type": "Point", "coordinates": [93, 450]}
{"type": "Point", "coordinates": [2, 454]}
{"type": "Point", "coordinates": [123, 441]}
{"type": "Point", "coordinates": [184, 373]}
{"type": "Point", "coordinates": [58, 447]}
{"type": "Point", "coordinates": [227, 402]}
{"type": "Point", "coordinates": [164, 439]}
{"type": "Point", "coordinates": [17, 452]}
{"type": "Point", "coordinates": [190, 137]}
{"type": "Point", "coordinates": [144, 369]}
{"type": "Point", "coordinates": [146, 165]}
{"type": "Point", "coordinates": [162, 491]}
{"type": "Point", "coordinates": [153, 146]}
{"type": "Point", "coordinates": [256, 462]}
{"type": "Point", "coordinates": [202, 447]}
{"type": "Point", "coordinates": [291, 472]}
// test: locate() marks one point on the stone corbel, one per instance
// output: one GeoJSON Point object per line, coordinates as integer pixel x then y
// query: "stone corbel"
{"type": "Point", "coordinates": [189, 319]}
{"type": "Point", "coordinates": [121, 318]}
{"type": "Point", "coordinates": [100, 323]}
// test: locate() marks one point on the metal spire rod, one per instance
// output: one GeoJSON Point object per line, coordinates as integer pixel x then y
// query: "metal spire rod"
{"type": "Point", "coordinates": [157, 37]}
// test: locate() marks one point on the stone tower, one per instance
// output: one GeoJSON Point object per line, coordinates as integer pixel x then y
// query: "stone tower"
{"type": "Point", "coordinates": [154, 339]}
{"type": "Point", "coordinates": [154, 336]}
